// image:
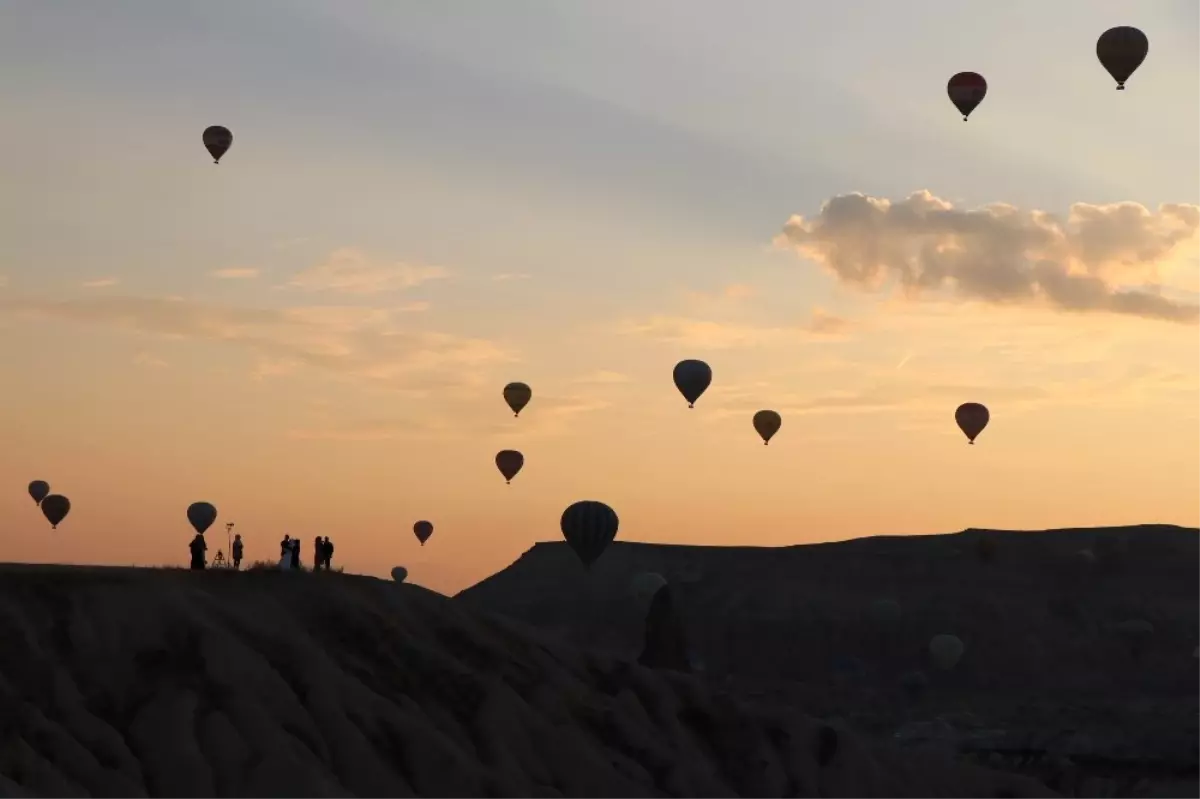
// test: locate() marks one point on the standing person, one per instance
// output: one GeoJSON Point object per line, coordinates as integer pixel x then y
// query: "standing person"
{"type": "Point", "coordinates": [198, 547]}
{"type": "Point", "coordinates": [295, 553]}
{"type": "Point", "coordinates": [327, 553]}
{"type": "Point", "coordinates": [237, 551]}
{"type": "Point", "coordinates": [318, 554]}
{"type": "Point", "coordinates": [285, 553]}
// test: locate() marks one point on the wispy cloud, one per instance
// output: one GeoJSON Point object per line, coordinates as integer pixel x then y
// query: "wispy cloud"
{"type": "Point", "coordinates": [349, 271]}
{"type": "Point", "coordinates": [235, 273]}
{"type": "Point", "coordinates": [147, 359]}
{"type": "Point", "coordinates": [1111, 258]}
{"type": "Point", "coordinates": [713, 334]}
{"type": "Point", "coordinates": [414, 307]}
{"type": "Point", "coordinates": [366, 344]}
{"type": "Point", "coordinates": [506, 276]}
{"type": "Point", "coordinates": [603, 376]}
{"type": "Point", "coordinates": [100, 283]}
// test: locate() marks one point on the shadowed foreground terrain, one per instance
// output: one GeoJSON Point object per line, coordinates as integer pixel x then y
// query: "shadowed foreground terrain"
{"type": "Point", "coordinates": [1051, 684]}
{"type": "Point", "coordinates": [130, 682]}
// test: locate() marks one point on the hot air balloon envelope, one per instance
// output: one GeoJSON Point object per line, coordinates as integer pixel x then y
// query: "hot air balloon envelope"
{"type": "Point", "coordinates": [201, 515]}
{"type": "Point", "coordinates": [1121, 51]}
{"type": "Point", "coordinates": [589, 528]}
{"type": "Point", "coordinates": [966, 90]}
{"type": "Point", "coordinates": [645, 586]}
{"type": "Point", "coordinates": [55, 508]}
{"type": "Point", "coordinates": [217, 140]}
{"type": "Point", "coordinates": [945, 651]}
{"type": "Point", "coordinates": [692, 378]}
{"type": "Point", "coordinates": [422, 530]}
{"type": "Point", "coordinates": [517, 395]}
{"type": "Point", "coordinates": [767, 424]}
{"type": "Point", "coordinates": [509, 462]}
{"type": "Point", "coordinates": [38, 489]}
{"type": "Point", "coordinates": [971, 418]}
{"type": "Point", "coordinates": [399, 574]}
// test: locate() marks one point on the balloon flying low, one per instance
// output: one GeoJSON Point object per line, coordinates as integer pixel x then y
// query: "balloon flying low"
{"type": "Point", "coordinates": [692, 378]}
{"type": "Point", "coordinates": [509, 462]}
{"type": "Point", "coordinates": [589, 528]}
{"type": "Point", "coordinates": [767, 424]}
{"type": "Point", "coordinates": [945, 651]}
{"type": "Point", "coordinates": [55, 508]}
{"type": "Point", "coordinates": [517, 395]}
{"type": "Point", "coordinates": [422, 530]}
{"type": "Point", "coordinates": [217, 140]}
{"type": "Point", "coordinates": [399, 574]}
{"type": "Point", "coordinates": [966, 90]}
{"type": "Point", "coordinates": [38, 489]}
{"type": "Point", "coordinates": [201, 515]}
{"type": "Point", "coordinates": [971, 418]}
{"type": "Point", "coordinates": [1121, 51]}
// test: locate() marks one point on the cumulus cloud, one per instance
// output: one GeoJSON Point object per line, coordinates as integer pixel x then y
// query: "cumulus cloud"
{"type": "Point", "coordinates": [363, 343]}
{"type": "Point", "coordinates": [100, 283]}
{"type": "Point", "coordinates": [1108, 258]}
{"type": "Point", "coordinates": [235, 273]}
{"type": "Point", "coordinates": [349, 271]}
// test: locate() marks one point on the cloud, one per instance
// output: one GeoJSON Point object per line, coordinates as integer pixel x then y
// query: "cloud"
{"type": "Point", "coordinates": [348, 271]}
{"type": "Point", "coordinates": [712, 334]}
{"type": "Point", "coordinates": [235, 273]}
{"type": "Point", "coordinates": [146, 359]}
{"type": "Point", "coordinates": [414, 307]}
{"type": "Point", "coordinates": [506, 276]}
{"type": "Point", "coordinates": [100, 283]}
{"type": "Point", "coordinates": [602, 376]}
{"type": "Point", "coordinates": [366, 344]}
{"type": "Point", "coordinates": [1107, 258]}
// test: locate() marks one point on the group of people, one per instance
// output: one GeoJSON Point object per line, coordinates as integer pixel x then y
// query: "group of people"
{"type": "Point", "coordinates": [289, 550]}
{"type": "Point", "coordinates": [289, 553]}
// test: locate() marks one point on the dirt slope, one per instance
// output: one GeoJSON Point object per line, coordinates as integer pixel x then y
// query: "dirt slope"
{"type": "Point", "coordinates": [123, 682]}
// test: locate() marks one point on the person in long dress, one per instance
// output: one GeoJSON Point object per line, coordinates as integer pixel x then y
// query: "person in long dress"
{"type": "Point", "coordinates": [286, 552]}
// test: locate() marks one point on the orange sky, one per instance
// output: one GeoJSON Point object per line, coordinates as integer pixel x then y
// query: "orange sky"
{"type": "Point", "coordinates": [314, 335]}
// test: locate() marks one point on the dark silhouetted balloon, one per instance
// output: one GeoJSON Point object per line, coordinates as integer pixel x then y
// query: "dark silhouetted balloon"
{"type": "Point", "coordinates": [55, 508]}
{"type": "Point", "coordinates": [945, 651]}
{"type": "Point", "coordinates": [966, 90]}
{"type": "Point", "coordinates": [399, 574]}
{"type": "Point", "coordinates": [1121, 51]}
{"type": "Point", "coordinates": [767, 424]}
{"type": "Point", "coordinates": [38, 489]}
{"type": "Point", "coordinates": [589, 528]}
{"type": "Point", "coordinates": [217, 141]}
{"type": "Point", "coordinates": [517, 395]}
{"type": "Point", "coordinates": [422, 530]}
{"type": "Point", "coordinates": [509, 462]}
{"type": "Point", "coordinates": [201, 515]}
{"type": "Point", "coordinates": [971, 418]}
{"type": "Point", "coordinates": [692, 378]}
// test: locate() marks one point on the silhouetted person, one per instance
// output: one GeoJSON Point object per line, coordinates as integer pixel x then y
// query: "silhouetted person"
{"type": "Point", "coordinates": [318, 553]}
{"type": "Point", "coordinates": [237, 551]}
{"type": "Point", "coordinates": [327, 553]}
{"type": "Point", "coordinates": [295, 553]}
{"type": "Point", "coordinates": [666, 645]}
{"type": "Point", "coordinates": [198, 547]}
{"type": "Point", "coordinates": [285, 546]}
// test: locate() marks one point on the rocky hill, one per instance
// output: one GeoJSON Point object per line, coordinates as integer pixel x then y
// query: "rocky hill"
{"type": "Point", "coordinates": [1079, 660]}
{"type": "Point", "coordinates": [130, 682]}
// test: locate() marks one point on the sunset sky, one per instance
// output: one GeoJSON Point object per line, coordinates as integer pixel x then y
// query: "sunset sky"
{"type": "Point", "coordinates": [425, 201]}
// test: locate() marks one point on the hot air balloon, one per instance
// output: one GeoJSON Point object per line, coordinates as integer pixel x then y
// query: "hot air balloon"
{"type": "Point", "coordinates": [509, 462]}
{"type": "Point", "coordinates": [971, 418]}
{"type": "Point", "coordinates": [201, 515]}
{"type": "Point", "coordinates": [767, 424]}
{"type": "Point", "coordinates": [945, 651]}
{"type": "Point", "coordinates": [645, 586]}
{"type": "Point", "coordinates": [399, 574]}
{"type": "Point", "coordinates": [886, 611]}
{"type": "Point", "coordinates": [1122, 50]}
{"type": "Point", "coordinates": [38, 489]}
{"type": "Point", "coordinates": [517, 395]}
{"type": "Point", "coordinates": [422, 530]}
{"type": "Point", "coordinates": [692, 378]}
{"type": "Point", "coordinates": [217, 140]}
{"type": "Point", "coordinates": [55, 508]}
{"type": "Point", "coordinates": [589, 528]}
{"type": "Point", "coordinates": [966, 90]}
